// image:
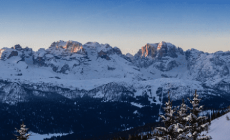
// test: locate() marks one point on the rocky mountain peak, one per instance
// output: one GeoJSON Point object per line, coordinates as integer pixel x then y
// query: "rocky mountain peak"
{"type": "Point", "coordinates": [161, 45]}
{"type": "Point", "coordinates": [17, 47]}
{"type": "Point", "coordinates": [67, 47]}
{"type": "Point", "coordinates": [158, 50]}
{"type": "Point", "coordinates": [129, 55]}
{"type": "Point", "coordinates": [92, 45]}
{"type": "Point", "coordinates": [102, 50]}
{"type": "Point", "coordinates": [106, 48]}
{"type": "Point", "coordinates": [166, 49]}
{"type": "Point", "coordinates": [149, 50]}
{"type": "Point", "coordinates": [6, 53]}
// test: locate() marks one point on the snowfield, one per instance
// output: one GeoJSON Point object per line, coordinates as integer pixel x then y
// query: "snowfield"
{"type": "Point", "coordinates": [220, 128]}
{"type": "Point", "coordinates": [36, 136]}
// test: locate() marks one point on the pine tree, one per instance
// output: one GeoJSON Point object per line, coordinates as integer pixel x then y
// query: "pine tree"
{"type": "Point", "coordinates": [167, 132]}
{"type": "Point", "coordinates": [23, 132]}
{"type": "Point", "coordinates": [195, 121]}
{"type": "Point", "coordinates": [181, 127]}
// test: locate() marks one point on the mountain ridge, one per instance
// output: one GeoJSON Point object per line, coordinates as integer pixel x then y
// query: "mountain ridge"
{"type": "Point", "coordinates": [85, 70]}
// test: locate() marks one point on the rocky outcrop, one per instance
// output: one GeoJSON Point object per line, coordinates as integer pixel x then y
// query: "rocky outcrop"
{"type": "Point", "coordinates": [103, 55]}
{"type": "Point", "coordinates": [17, 47]}
{"type": "Point", "coordinates": [13, 53]}
{"type": "Point", "coordinates": [149, 50]}
{"type": "Point", "coordinates": [165, 64]}
{"type": "Point", "coordinates": [166, 49]}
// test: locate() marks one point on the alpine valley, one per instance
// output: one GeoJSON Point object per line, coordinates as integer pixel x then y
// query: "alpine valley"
{"type": "Point", "coordinates": [93, 89]}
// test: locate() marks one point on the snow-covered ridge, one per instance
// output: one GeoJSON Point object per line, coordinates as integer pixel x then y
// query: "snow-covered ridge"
{"type": "Point", "coordinates": [74, 70]}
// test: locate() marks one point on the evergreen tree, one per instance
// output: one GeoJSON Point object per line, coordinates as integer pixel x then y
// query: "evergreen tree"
{"type": "Point", "coordinates": [195, 121]}
{"type": "Point", "coordinates": [181, 127]}
{"type": "Point", "coordinates": [23, 132]}
{"type": "Point", "coordinates": [167, 132]}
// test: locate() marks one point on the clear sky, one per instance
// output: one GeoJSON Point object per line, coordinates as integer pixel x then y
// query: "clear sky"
{"type": "Point", "coordinates": [127, 24]}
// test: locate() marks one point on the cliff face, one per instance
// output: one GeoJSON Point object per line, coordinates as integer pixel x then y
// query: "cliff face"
{"type": "Point", "coordinates": [159, 50]}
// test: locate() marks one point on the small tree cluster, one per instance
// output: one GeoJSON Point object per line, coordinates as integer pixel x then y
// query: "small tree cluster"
{"type": "Point", "coordinates": [181, 125]}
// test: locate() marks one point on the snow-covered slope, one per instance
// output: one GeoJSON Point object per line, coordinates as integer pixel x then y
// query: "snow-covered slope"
{"type": "Point", "coordinates": [95, 70]}
{"type": "Point", "coordinates": [219, 129]}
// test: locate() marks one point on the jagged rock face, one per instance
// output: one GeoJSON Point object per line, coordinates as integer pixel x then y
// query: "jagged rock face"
{"type": "Point", "coordinates": [158, 50]}
{"type": "Point", "coordinates": [155, 54]}
{"type": "Point", "coordinates": [13, 53]}
{"type": "Point", "coordinates": [65, 48]}
{"type": "Point", "coordinates": [162, 49]}
{"type": "Point", "coordinates": [143, 62]}
{"type": "Point", "coordinates": [149, 50]}
{"type": "Point", "coordinates": [166, 50]}
{"type": "Point", "coordinates": [102, 50]}
{"type": "Point", "coordinates": [17, 50]}
{"type": "Point", "coordinates": [129, 55]}
{"type": "Point", "coordinates": [106, 48]}
{"type": "Point", "coordinates": [203, 66]}
{"type": "Point", "coordinates": [165, 64]}
{"type": "Point", "coordinates": [17, 47]}
{"type": "Point", "coordinates": [192, 56]}
{"type": "Point", "coordinates": [103, 55]}
{"type": "Point", "coordinates": [59, 54]}
{"type": "Point", "coordinates": [63, 56]}
{"type": "Point", "coordinates": [6, 53]}
{"type": "Point", "coordinates": [115, 50]}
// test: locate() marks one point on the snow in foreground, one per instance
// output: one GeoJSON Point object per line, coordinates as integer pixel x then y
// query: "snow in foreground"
{"type": "Point", "coordinates": [36, 136]}
{"type": "Point", "coordinates": [220, 128]}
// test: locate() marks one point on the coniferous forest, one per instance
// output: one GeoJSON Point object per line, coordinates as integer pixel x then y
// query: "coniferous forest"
{"type": "Point", "coordinates": [87, 117]}
{"type": "Point", "coordinates": [90, 119]}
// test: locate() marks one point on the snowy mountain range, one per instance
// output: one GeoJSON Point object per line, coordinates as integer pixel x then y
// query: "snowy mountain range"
{"type": "Point", "coordinates": [94, 70]}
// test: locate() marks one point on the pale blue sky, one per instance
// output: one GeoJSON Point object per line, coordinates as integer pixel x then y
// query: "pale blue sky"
{"type": "Point", "coordinates": [127, 24]}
